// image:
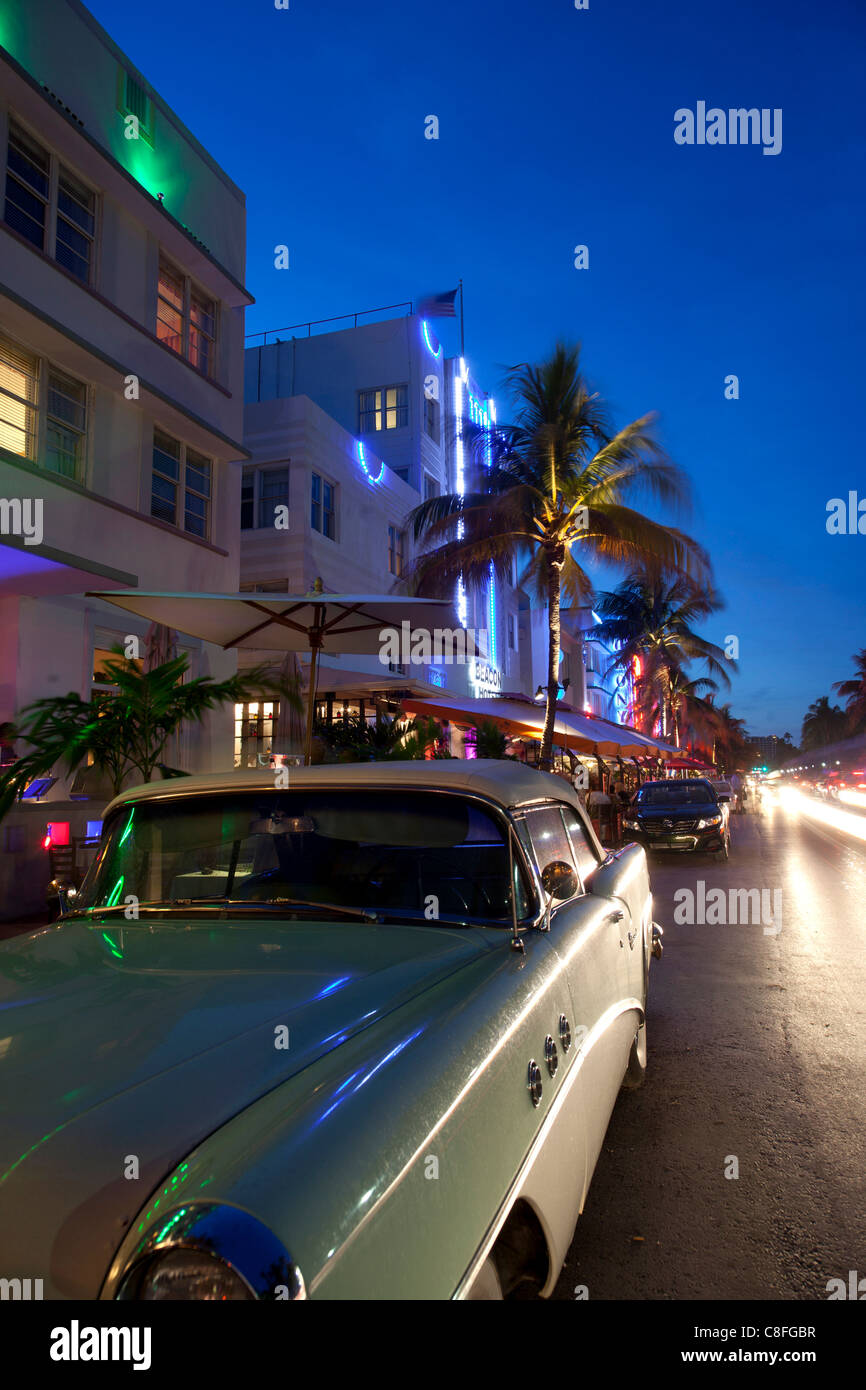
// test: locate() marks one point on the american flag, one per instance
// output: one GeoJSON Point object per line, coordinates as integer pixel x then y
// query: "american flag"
{"type": "Point", "coordinates": [438, 306]}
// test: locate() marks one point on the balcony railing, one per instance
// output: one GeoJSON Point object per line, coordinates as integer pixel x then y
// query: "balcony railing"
{"type": "Point", "coordinates": [252, 338]}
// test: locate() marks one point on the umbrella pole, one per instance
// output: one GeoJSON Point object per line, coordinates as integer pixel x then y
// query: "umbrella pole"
{"type": "Point", "coordinates": [311, 704]}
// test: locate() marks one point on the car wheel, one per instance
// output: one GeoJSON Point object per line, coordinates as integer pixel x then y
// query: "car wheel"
{"type": "Point", "coordinates": [724, 852]}
{"type": "Point", "coordinates": [487, 1287]}
{"type": "Point", "coordinates": [635, 1072]}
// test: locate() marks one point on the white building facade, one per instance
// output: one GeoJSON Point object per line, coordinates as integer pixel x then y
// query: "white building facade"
{"type": "Point", "coordinates": [122, 248]}
{"type": "Point", "coordinates": [351, 430]}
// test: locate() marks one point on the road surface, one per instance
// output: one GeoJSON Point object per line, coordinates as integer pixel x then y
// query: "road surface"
{"type": "Point", "coordinates": [757, 1048]}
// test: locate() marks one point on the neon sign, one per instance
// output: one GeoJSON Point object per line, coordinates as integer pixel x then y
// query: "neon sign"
{"type": "Point", "coordinates": [362, 458]}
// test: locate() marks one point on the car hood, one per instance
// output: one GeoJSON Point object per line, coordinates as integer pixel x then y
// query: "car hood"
{"type": "Point", "coordinates": [679, 811]}
{"type": "Point", "coordinates": [122, 1047]}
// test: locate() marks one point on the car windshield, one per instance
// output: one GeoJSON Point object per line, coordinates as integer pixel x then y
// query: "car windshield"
{"type": "Point", "coordinates": [429, 854]}
{"type": "Point", "coordinates": [675, 794]}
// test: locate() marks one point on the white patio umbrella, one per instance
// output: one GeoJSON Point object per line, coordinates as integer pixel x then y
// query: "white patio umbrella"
{"type": "Point", "coordinates": [315, 622]}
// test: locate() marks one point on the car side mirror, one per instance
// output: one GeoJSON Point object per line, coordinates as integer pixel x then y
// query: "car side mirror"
{"type": "Point", "coordinates": [559, 880]}
{"type": "Point", "coordinates": [64, 890]}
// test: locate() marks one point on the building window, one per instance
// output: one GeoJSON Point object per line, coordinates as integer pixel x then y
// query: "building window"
{"type": "Point", "coordinates": [202, 332]}
{"type": "Point", "coordinates": [132, 100]}
{"type": "Point", "coordinates": [76, 226]}
{"type": "Point", "coordinates": [49, 205]}
{"type": "Point", "coordinates": [19, 379]}
{"type": "Point", "coordinates": [384, 409]}
{"type": "Point", "coordinates": [185, 319]}
{"type": "Point", "coordinates": [262, 491]}
{"type": "Point", "coordinates": [431, 417]}
{"type": "Point", "coordinates": [431, 487]}
{"type": "Point", "coordinates": [396, 543]}
{"type": "Point", "coordinates": [43, 413]}
{"type": "Point", "coordinates": [181, 485]}
{"type": "Point", "coordinates": [169, 309]}
{"type": "Point", "coordinates": [322, 507]}
{"type": "Point", "coordinates": [65, 425]}
{"type": "Point", "coordinates": [28, 178]}
{"type": "Point", "coordinates": [254, 733]}
{"type": "Point", "coordinates": [512, 633]}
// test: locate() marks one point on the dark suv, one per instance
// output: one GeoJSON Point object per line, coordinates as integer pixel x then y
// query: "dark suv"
{"type": "Point", "coordinates": [679, 815]}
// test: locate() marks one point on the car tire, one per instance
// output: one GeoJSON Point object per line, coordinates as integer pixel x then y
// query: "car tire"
{"type": "Point", "coordinates": [725, 852]}
{"type": "Point", "coordinates": [635, 1072]}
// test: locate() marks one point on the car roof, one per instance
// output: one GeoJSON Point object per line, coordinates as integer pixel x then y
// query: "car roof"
{"type": "Point", "coordinates": [678, 782]}
{"type": "Point", "coordinates": [508, 783]}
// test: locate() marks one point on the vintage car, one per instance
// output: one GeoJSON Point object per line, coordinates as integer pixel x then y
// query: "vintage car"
{"type": "Point", "coordinates": [683, 815]}
{"type": "Point", "coordinates": [354, 1037]}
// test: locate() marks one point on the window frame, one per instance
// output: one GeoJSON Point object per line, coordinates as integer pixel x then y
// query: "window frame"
{"type": "Point", "coordinates": [432, 417]}
{"type": "Point", "coordinates": [57, 169]}
{"type": "Point", "coordinates": [37, 425]}
{"type": "Point", "coordinates": [382, 408]}
{"type": "Point", "coordinates": [182, 486]}
{"type": "Point", "coordinates": [396, 550]}
{"type": "Point", "coordinates": [145, 127]}
{"type": "Point", "coordinates": [190, 291]}
{"type": "Point", "coordinates": [319, 503]}
{"type": "Point", "coordinates": [257, 474]}
{"type": "Point", "coordinates": [525, 815]}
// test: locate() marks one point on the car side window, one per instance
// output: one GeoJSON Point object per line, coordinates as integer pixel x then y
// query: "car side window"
{"type": "Point", "coordinates": [549, 837]}
{"type": "Point", "coordinates": [584, 855]}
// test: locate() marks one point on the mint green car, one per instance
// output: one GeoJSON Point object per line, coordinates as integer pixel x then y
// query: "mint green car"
{"type": "Point", "coordinates": [358, 1036]}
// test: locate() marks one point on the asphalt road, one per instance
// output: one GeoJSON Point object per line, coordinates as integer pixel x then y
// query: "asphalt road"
{"type": "Point", "coordinates": [757, 1051]}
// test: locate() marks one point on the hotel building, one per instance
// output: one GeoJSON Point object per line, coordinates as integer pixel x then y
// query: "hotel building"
{"type": "Point", "coordinates": [122, 248]}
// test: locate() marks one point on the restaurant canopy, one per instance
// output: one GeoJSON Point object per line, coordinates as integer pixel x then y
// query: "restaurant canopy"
{"type": "Point", "coordinates": [577, 732]}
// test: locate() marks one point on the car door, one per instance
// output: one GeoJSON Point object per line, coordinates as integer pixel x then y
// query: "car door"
{"type": "Point", "coordinates": [589, 933]}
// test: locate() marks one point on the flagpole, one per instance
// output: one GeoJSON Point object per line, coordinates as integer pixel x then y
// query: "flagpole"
{"type": "Point", "coordinates": [462, 344]}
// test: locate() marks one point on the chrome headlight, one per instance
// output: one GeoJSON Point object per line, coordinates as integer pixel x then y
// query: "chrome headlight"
{"type": "Point", "coordinates": [709, 821]}
{"type": "Point", "coordinates": [208, 1252]}
{"type": "Point", "coordinates": [630, 824]}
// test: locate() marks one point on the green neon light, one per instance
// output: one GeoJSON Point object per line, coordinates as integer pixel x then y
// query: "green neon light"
{"type": "Point", "coordinates": [114, 895]}
{"type": "Point", "coordinates": [111, 946]}
{"type": "Point", "coordinates": [127, 830]}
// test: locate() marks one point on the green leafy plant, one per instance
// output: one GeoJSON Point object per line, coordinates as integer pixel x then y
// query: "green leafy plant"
{"type": "Point", "coordinates": [353, 739]}
{"type": "Point", "coordinates": [490, 741]}
{"type": "Point", "coordinates": [124, 730]}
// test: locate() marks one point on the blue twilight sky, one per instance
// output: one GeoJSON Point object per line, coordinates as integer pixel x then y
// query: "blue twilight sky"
{"type": "Point", "coordinates": [556, 128]}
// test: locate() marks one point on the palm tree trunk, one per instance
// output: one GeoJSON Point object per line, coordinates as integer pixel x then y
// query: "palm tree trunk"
{"type": "Point", "coordinates": [553, 599]}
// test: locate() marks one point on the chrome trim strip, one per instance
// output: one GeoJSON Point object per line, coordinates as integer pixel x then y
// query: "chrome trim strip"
{"type": "Point", "coordinates": [489, 1240]}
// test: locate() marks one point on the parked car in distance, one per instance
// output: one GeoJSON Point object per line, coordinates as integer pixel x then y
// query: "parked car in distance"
{"type": "Point", "coordinates": [680, 815]}
{"type": "Point", "coordinates": [358, 1037]}
{"type": "Point", "coordinates": [723, 789]}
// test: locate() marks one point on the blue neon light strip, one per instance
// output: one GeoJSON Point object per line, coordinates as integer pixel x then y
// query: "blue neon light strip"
{"type": "Point", "coordinates": [363, 461]}
{"type": "Point", "coordinates": [430, 348]}
{"type": "Point", "coordinates": [460, 482]}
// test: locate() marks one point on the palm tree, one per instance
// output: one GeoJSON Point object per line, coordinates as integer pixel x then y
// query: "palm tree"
{"type": "Point", "coordinates": [126, 729]}
{"type": "Point", "coordinates": [855, 694]}
{"type": "Point", "coordinates": [558, 484]}
{"type": "Point", "coordinates": [651, 619]}
{"type": "Point", "coordinates": [823, 723]}
{"type": "Point", "coordinates": [691, 712]}
{"type": "Point", "coordinates": [729, 737]}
